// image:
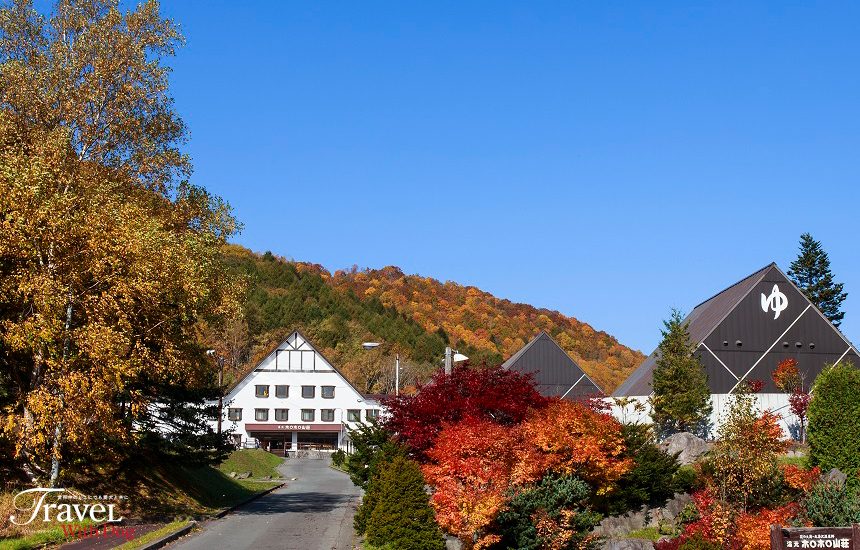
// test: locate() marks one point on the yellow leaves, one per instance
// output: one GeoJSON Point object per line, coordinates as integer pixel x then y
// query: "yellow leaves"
{"type": "Point", "coordinates": [135, 283]}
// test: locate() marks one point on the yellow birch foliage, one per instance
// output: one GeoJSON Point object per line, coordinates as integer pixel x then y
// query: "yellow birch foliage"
{"type": "Point", "coordinates": [109, 260]}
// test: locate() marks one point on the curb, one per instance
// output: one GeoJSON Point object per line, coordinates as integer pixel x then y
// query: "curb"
{"type": "Point", "coordinates": [167, 539]}
{"type": "Point", "coordinates": [226, 511]}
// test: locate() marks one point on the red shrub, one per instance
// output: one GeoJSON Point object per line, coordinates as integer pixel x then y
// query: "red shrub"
{"type": "Point", "coordinates": [497, 395]}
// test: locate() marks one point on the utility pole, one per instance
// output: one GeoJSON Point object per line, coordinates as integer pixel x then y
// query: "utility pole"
{"type": "Point", "coordinates": [449, 359]}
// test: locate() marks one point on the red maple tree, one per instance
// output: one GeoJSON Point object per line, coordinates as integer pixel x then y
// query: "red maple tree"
{"type": "Point", "coordinates": [495, 394]}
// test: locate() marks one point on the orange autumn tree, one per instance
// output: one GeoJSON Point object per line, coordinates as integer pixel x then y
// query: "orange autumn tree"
{"type": "Point", "coordinates": [745, 459]}
{"type": "Point", "coordinates": [476, 465]}
{"type": "Point", "coordinates": [571, 438]}
{"type": "Point", "coordinates": [471, 467]}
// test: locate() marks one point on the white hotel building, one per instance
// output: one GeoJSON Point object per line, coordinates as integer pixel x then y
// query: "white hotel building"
{"type": "Point", "coordinates": [295, 399]}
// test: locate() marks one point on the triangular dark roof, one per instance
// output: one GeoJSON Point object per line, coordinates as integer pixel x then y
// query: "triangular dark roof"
{"type": "Point", "coordinates": [727, 318]}
{"type": "Point", "coordinates": [555, 373]}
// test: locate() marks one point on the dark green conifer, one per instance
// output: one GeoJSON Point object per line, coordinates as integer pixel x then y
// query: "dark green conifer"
{"type": "Point", "coordinates": [681, 401]}
{"type": "Point", "coordinates": [811, 273]}
{"type": "Point", "coordinates": [396, 512]}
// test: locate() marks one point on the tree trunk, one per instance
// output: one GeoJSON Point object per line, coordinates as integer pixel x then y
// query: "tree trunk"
{"type": "Point", "coordinates": [58, 430]}
{"type": "Point", "coordinates": [55, 455]}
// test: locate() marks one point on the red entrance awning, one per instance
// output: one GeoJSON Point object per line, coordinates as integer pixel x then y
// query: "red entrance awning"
{"type": "Point", "coordinates": [280, 427]}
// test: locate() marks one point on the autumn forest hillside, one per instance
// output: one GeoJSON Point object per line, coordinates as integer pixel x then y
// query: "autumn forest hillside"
{"type": "Point", "coordinates": [411, 315]}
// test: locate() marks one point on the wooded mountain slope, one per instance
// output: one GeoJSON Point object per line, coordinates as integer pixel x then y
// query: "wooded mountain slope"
{"type": "Point", "coordinates": [413, 316]}
{"type": "Point", "coordinates": [495, 327]}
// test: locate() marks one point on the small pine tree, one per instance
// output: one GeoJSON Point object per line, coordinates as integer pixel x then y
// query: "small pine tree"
{"type": "Point", "coordinates": [549, 514]}
{"type": "Point", "coordinates": [372, 467]}
{"type": "Point", "coordinates": [681, 401]}
{"type": "Point", "coordinates": [401, 517]}
{"type": "Point", "coordinates": [811, 273]}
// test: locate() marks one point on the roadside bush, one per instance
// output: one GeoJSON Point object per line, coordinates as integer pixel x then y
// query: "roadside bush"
{"type": "Point", "coordinates": [401, 517]}
{"type": "Point", "coordinates": [830, 504]}
{"type": "Point", "coordinates": [370, 441]}
{"type": "Point", "coordinates": [655, 477]}
{"type": "Point", "coordinates": [549, 514]}
{"type": "Point", "coordinates": [338, 458]}
{"type": "Point", "coordinates": [834, 419]}
{"type": "Point", "coordinates": [385, 455]}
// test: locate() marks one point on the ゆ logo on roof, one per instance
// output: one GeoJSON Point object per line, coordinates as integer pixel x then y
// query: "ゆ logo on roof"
{"type": "Point", "coordinates": [777, 301]}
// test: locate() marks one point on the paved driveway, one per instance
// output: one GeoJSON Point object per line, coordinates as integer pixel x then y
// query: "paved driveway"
{"type": "Point", "coordinates": [313, 512]}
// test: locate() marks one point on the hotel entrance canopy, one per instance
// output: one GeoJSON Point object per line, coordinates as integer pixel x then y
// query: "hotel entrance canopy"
{"type": "Point", "coordinates": [252, 427]}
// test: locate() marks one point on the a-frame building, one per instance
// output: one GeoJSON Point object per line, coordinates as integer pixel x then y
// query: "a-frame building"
{"type": "Point", "coordinates": [742, 333]}
{"type": "Point", "coordinates": [555, 373]}
{"type": "Point", "coordinates": [295, 399]}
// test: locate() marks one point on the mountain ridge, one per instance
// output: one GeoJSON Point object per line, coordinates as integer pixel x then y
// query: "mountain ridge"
{"type": "Point", "coordinates": [414, 315]}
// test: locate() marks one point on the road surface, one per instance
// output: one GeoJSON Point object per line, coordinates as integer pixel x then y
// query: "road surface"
{"type": "Point", "coordinates": [313, 512]}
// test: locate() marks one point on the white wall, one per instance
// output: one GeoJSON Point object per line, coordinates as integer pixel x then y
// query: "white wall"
{"type": "Point", "coordinates": [272, 372]}
{"type": "Point", "coordinates": [775, 402]}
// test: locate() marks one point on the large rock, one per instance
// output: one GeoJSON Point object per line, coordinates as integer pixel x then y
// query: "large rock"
{"type": "Point", "coordinates": [452, 543]}
{"type": "Point", "coordinates": [688, 445]}
{"type": "Point", "coordinates": [619, 526]}
{"type": "Point", "coordinates": [627, 544]}
{"type": "Point", "coordinates": [836, 476]}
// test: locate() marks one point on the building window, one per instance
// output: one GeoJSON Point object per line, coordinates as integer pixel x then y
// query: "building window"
{"type": "Point", "coordinates": [353, 415]}
{"type": "Point", "coordinates": [282, 391]}
{"type": "Point", "coordinates": [234, 414]}
{"type": "Point", "coordinates": [261, 391]}
{"type": "Point", "coordinates": [282, 415]}
{"type": "Point", "coordinates": [372, 414]}
{"type": "Point", "coordinates": [327, 415]}
{"type": "Point", "coordinates": [307, 415]}
{"type": "Point", "coordinates": [308, 392]}
{"type": "Point", "coordinates": [261, 414]}
{"type": "Point", "coordinates": [327, 392]}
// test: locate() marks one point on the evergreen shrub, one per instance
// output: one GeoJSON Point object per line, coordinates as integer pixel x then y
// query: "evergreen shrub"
{"type": "Point", "coordinates": [834, 420]}
{"type": "Point", "coordinates": [338, 458]}
{"type": "Point", "coordinates": [831, 504]}
{"type": "Point", "coordinates": [561, 502]}
{"type": "Point", "coordinates": [396, 512]}
{"type": "Point", "coordinates": [655, 477]}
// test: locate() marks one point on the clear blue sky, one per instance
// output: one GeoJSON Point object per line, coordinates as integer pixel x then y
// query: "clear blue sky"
{"type": "Point", "coordinates": [607, 159]}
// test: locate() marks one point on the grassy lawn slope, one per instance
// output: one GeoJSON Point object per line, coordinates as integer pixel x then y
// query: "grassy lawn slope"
{"type": "Point", "coordinates": [257, 461]}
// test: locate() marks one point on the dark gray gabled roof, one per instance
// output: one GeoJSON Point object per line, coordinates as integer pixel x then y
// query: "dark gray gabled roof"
{"type": "Point", "coordinates": [740, 336]}
{"type": "Point", "coordinates": [700, 323]}
{"type": "Point", "coordinates": [555, 373]}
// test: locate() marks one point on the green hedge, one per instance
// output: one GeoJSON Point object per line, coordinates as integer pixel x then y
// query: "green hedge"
{"type": "Point", "coordinates": [834, 419]}
{"type": "Point", "coordinates": [395, 512]}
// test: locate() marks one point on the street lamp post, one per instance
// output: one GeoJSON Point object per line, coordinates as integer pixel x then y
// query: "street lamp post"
{"type": "Point", "coordinates": [374, 345]}
{"type": "Point", "coordinates": [452, 356]}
